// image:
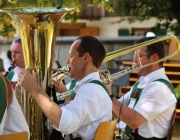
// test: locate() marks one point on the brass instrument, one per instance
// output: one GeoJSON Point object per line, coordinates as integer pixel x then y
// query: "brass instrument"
{"type": "Point", "coordinates": [105, 75]}
{"type": "Point", "coordinates": [38, 28]}
{"type": "Point", "coordinates": [61, 73]}
{"type": "Point", "coordinates": [120, 52]}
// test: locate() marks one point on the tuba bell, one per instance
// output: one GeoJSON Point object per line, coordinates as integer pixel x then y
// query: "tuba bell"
{"type": "Point", "coordinates": [37, 28]}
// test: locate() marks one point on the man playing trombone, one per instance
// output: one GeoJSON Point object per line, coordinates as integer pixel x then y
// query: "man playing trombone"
{"type": "Point", "coordinates": [91, 105]}
{"type": "Point", "coordinates": [147, 109]}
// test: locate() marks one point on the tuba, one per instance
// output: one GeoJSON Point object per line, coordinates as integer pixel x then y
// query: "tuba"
{"type": "Point", "coordinates": [37, 28]}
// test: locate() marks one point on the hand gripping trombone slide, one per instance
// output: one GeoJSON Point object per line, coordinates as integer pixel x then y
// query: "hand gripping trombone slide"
{"type": "Point", "coordinates": [105, 75]}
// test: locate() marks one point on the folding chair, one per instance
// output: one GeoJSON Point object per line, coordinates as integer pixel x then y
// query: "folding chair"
{"type": "Point", "coordinates": [106, 130]}
{"type": "Point", "coordinates": [15, 136]}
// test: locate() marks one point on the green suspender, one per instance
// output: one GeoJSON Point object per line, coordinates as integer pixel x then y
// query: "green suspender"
{"type": "Point", "coordinates": [10, 75]}
{"type": "Point", "coordinates": [3, 97]}
{"type": "Point", "coordinates": [72, 85]}
{"type": "Point", "coordinates": [168, 84]}
{"type": "Point", "coordinates": [99, 83]}
{"type": "Point", "coordinates": [93, 81]}
{"type": "Point", "coordinates": [129, 130]}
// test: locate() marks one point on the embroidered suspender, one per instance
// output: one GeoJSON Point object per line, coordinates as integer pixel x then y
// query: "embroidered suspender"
{"type": "Point", "coordinates": [136, 92]}
{"type": "Point", "coordinates": [129, 130]}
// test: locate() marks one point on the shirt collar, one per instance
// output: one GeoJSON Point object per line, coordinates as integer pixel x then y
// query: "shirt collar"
{"type": "Point", "coordinates": [87, 79]}
{"type": "Point", "coordinates": [152, 76]}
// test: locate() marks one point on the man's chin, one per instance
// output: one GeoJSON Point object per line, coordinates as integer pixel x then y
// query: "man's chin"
{"type": "Point", "coordinates": [139, 72]}
{"type": "Point", "coordinates": [70, 75]}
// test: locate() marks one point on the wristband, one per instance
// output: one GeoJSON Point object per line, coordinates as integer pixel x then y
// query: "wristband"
{"type": "Point", "coordinates": [111, 96]}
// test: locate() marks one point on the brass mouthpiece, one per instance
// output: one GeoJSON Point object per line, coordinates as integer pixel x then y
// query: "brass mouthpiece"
{"type": "Point", "coordinates": [64, 70]}
{"type": "Point", "coordinates": [61, 73]}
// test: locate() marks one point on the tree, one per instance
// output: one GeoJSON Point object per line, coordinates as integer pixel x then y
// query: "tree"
{"type": "Point", "coordinates": [167, 12]}
{"type": "Point", "coordinates": [8, 26]}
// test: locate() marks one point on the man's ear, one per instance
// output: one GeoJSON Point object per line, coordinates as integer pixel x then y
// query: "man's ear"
{"type": "Point", "coordinates": [86, 57]}
{"type": "Point", "coordinates": [155, 57]}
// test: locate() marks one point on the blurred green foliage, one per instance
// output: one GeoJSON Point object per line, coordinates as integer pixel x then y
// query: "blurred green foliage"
{"type": "Point", "coordinates": [167, 12]}
{"type": "Point", "coordinates": [7, 26]}
{"type": "Point", "coordinates": [177, 90]}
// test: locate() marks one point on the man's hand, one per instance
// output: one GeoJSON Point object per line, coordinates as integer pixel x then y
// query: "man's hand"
{"type": "Point", "coordinates": [109, 87]}
{"type": "Point", "coordinates": [28, 80]}
{"type": "Point", "coordinates": [59, 85]}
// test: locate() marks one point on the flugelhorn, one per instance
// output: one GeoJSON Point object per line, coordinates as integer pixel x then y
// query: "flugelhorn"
{"type": "Point", "coordinates": [105, 75]}
{"type": "Point", "coordinates": [123, 51]}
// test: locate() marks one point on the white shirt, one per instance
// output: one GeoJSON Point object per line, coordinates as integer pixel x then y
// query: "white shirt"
{"type": "Point", "coordinates": [90, 107]}
{"type": "Point", "coordinates": [13, 119]}
{"type": "Point", "coordinates": [6, 64]}
{"type": "Point", "coordinates": [156, 104]}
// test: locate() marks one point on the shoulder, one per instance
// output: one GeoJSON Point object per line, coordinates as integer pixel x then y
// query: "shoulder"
{"type": "Point", "coordinates": [157, 90]}
{"type": "Point", "coordinates": [92, 90]}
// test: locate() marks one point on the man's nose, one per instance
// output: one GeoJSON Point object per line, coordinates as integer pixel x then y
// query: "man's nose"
{"type": "Point", "coordinates": [135, 60]}
{"type": "Point", "coordinates": [12, 55]}
{"type": "Point", "coordinates": [67, 61]}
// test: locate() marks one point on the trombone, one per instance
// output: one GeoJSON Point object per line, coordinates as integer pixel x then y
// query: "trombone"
{"type": "Point", "coordinates": [64, 72]}
{"type": "Point", "coordinates": [105, 74]}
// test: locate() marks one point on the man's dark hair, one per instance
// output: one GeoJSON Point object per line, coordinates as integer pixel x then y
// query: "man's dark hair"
{"type": "Point", "coordinates": [17, 40]}
{"type": "Point", "coordinates": [9, 55]}
{"type": "Point", "coordinates": [94, 47]}
{"type": "Point", "coordinates": [157, 48]}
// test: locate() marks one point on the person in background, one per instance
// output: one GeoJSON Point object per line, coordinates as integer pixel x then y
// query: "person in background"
{"type": "Point", "coordinates": [147, 109]}
{"type": "Point", "coordinates": [17, 56]}
{"type": "Point", "coordinates": [91, 105]}
{"type": "Point", "coordinates": [12, 119]}
{"type": "Point", "coordinates": [7, 61]}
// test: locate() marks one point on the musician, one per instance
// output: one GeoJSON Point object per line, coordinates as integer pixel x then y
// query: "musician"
{"type": "Point", "coordinates": [17, 56]}
{"type": "Point", "coordinates": [7, 61]}
{"type": "Point", "coordinates": [91, 105]}
{"type": "Point", "coordinates": [146, 110]}
{"type": "Point", "coordinates": [12, 119]}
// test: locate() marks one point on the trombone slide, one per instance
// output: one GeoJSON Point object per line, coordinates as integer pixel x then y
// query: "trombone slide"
{"type": "Point", "coordinates": [105, 75]}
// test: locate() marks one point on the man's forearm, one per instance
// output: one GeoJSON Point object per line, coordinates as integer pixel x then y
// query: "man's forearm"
{"type": "Point", "coordinates": [50, 108]}
{"type": "Point", "coordinates": [127, 115]}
